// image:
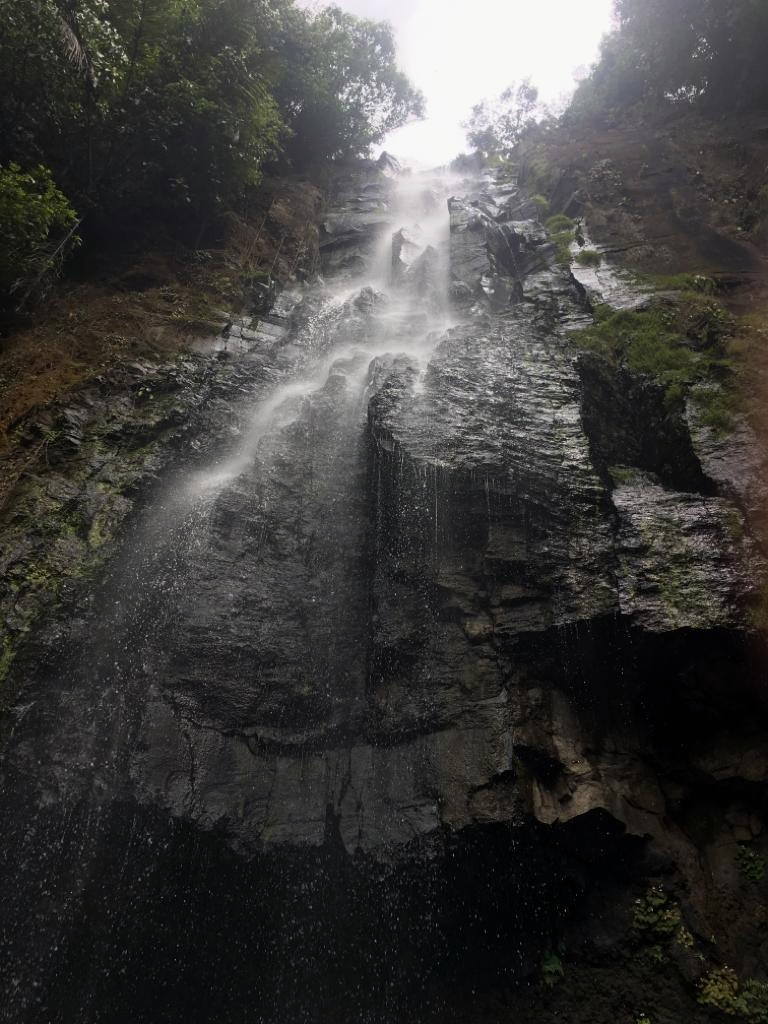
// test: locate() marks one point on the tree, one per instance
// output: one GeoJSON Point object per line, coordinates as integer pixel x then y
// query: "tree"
{"type": "Point", "coordinates": [496, 126]}
{"type": "Point", "coordinates": [193, 119]}
{"type": "Point", "coordinates": [148, 109]}
{"type": "Point", "coordinates": [706, 53]}
{"type": "Point", "coordinates": [338, 85]}
{"type": "Point", "coordinates": [38, 227]}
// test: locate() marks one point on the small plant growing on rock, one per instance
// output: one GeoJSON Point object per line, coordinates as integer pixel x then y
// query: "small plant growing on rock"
{"type": "Point", "coordinates": [561, 230]}
{"type": "Point", "coordinates": [552, 969]}
{"type": "Point", "coordinates": [680, 282]}
{"type": "Point", "coordinates": [683, 938]}
{"type": "Point", "coordinates": [623, 475]}
{"type": "Point", "coordinates": [588, 258]}
{"type": "Point", "coordinates": [716, 408]}
{"type": "Point", "coordinates": [722, 990]}
{"type": "Point", "coordinates": [657, 920]}
{"type": "Point", "coordinates": [655, 916]}
{"type": "Point", "coordinates": [558, 223]}
{"type": "Point", "coordinates": [751, 864]}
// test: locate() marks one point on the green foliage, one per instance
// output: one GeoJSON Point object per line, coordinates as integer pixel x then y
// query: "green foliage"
{"type": "Point", "coordinates": [706, 53]}
{"type": "Point", "coordinates": [338, 84]}
{"type": "Point", "coordinates": [497, 125]}
{"type": "Point", "coordinates": [147, 108]}
{"type": "Point", "coordinates": [683, 938]}
{"type": "Point", "coordinates": [561, 231]}
{"type": "Point", "coordinates": [722, 990]}
{"type": "Point", "coordinates": [655, 916]}
{"type": "Point", "coordinates": [38, 223]}
{"type": "Point", "coordinates": [588, 258]}
{"type": "Point", "coordinates": [563, 253]}
{"type": "Point", "coordinates": [704, 320]}
{"type": "Point", "coordinates": [679, 343]}
{"type": "Point", "coordinates": [658, 923]}
{"type": "Point", "coordinates": [751, 864]}
{"type": "Point", "coordinates": [680, 282]}
{"type": "Point", "coordinates": [541, 202]}
{"type": "Point", "coordinates": [559, 223]}
{"type": "Point", "coordinates": [717, 408]}
{"type": "Point", "coordinates": [503, 165]}
{"type": "Point", "coordinates": [552, 969]}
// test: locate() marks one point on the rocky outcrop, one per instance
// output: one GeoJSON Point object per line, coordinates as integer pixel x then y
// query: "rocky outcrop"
{"type": "Point", "coordinates": [421, 615]}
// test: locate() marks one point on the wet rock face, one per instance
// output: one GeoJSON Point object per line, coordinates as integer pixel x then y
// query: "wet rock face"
{"type": "Point", "coordinates": [422, 608]}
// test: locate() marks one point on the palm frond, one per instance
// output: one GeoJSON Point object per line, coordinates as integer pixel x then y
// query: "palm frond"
{"type": "Point", "coordinates": [75, 49]}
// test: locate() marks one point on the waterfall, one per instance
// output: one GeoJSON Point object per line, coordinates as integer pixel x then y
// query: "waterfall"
{"type": "Point", "coordinates": [396, 303]}
{"type": "Point", "coordinates": [356, 723]}
{"type": "Point", "coordinates": [106, 725]}
{"type": "Point", "coordinates": [285, 696]}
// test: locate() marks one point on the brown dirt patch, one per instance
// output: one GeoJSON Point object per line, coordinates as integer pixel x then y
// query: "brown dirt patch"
{"type": "Point", "coordinates": [155, 305]}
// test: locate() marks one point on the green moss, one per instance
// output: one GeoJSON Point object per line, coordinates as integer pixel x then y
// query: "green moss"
{"type": "Point", "coordinates": [559, 223]}
{"type": "Point", "coordinates": [102, 527]}
{"type": "Point", "coordinates": [96, 537]}
{"type": "Point", "coordinates": [735, 525]}
{"type": "Point", "coordinates": [751, 864]}
{"type": "Point", "coordinates": [588, 258]}
{"type": "Point", "coordinates": [679, 344]}
{"type": "Point", "coordinates": [7, 654]}
{"type": "Point", "coordinates": [40, 576]}
{"type": "Point", "coordinates": [659, 353]}
{"type": "Point", "coordinates": [623, 474]}
{"type": "Point", "coordinates": [717, 409]}
{"type": "Point", "coordinates": [721, 989]}
{"type": "Point", "coordinates": [679, 282]}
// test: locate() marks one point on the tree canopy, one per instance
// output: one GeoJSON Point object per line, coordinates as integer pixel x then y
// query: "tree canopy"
{"type": "Point", "coordinates": [147, 107]}
{"type": "Point", "coordinates": [339, 87]}
{"type": "Point", "coordinates": [705, 53]}
{"type": "Point", "coordinates": [701, 54]}
{"type": "Point", "coordinates": [496, 125]}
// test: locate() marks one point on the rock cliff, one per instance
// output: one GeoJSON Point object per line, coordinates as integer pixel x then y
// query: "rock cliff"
{"type": "Point", "coordinates": [401, 665]}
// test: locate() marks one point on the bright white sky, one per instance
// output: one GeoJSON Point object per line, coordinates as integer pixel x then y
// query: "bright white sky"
{"type": "Point", "coordinates": [460, 51]}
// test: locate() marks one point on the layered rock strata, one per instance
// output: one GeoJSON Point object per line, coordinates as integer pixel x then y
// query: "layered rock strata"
{"type": "Point", "coordinates": [431, 577]}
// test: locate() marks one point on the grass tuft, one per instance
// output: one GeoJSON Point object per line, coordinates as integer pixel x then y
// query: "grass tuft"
{"type": "Point", "coordinates": [588, 258]}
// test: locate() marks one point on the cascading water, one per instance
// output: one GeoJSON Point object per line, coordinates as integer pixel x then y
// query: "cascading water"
{"type": "Point", "coordinates": [289, 645]}
{"type": "Point", "coordinates": [264, 772]}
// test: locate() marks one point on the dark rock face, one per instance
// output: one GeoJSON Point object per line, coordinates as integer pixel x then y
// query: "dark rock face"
{"type": "Point", "coordinates": [429, 645]}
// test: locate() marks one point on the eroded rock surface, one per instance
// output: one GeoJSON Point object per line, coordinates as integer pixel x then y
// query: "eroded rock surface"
{"type": "Point", "coordinates": [413, 578]}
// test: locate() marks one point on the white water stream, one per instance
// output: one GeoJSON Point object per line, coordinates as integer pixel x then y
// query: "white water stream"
{"type": "Point", "coordinates": [406, 315]}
